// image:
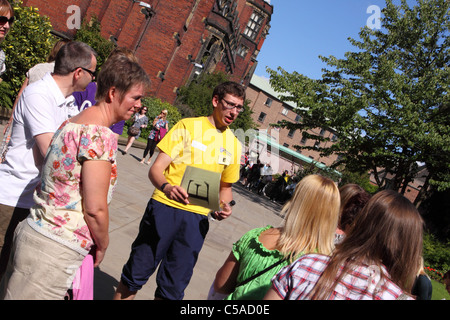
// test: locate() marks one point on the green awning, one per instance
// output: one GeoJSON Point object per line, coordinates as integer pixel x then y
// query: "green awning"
{"type": "Point", "coordinates": [273, 144]}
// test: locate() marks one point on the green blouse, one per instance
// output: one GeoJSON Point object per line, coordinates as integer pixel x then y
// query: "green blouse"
{"type": "Point", "coordinates": [253, 257]}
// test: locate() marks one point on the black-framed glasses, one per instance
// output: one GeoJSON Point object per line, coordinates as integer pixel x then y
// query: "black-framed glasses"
{"type": "Point", "coordinates": [93, 74]}
{"type": "Point", "coordinates": [230, 105]}
{"type": "Point", "coordinates": [4, 20]}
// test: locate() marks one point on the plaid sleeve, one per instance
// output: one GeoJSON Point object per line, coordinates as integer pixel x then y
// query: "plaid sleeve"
{"type": "Point", "coordinates": [281, 281]}
{"type": "Point", "coordinates": [295, 282]}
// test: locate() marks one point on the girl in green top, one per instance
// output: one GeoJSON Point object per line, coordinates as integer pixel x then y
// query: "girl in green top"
{"type": "Point", "coordinates": [311, 219]}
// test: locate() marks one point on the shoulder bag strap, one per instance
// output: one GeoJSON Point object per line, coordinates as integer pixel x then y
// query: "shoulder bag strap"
{"type": "Point", "coordinates": [260, 273]}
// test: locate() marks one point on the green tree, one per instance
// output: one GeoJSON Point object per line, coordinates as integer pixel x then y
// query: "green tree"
{"type": "Point", "coordinates": [90, 33]}
{"type": "Point", "coordinates": [195, 100]}
{"type": "Point", "coordinates": [388, 100]}
{"type": "Point", "coordinates": [155, 106]}
{"type": "Point", "coordinates": [29, 42]}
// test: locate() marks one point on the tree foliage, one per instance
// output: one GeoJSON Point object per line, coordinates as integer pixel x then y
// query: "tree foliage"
{"type": "Point", "coordinates": [28, 43]}
{"type": "Point", "coordinates": [155, 106]}
{"type": "Point", "coordinates": [195, 100]}
{"type": "Point", "coordinates": [388, 100]}
{"type": "Point", "coordinates": [90, 33]}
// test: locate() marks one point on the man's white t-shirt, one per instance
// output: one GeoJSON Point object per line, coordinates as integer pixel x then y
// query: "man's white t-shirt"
{"type": "Point", "coordinates": [42, 108]}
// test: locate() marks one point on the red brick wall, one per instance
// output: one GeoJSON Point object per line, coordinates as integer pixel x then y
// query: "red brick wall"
{"type": "Point", "coordinates": [153, 38]}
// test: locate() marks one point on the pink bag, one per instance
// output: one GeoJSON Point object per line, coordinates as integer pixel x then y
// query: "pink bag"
{"type": "Point", "coordinates": [83, 283]}
{"type": "Point", "coordinates": [162, 133]}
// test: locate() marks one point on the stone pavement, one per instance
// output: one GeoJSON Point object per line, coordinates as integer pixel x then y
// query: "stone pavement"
{"type": "Point", "coordinates": [127, 207]}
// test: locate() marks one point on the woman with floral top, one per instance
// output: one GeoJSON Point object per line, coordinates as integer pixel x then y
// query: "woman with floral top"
{"type": "Point", "coordinates": [70, 215]}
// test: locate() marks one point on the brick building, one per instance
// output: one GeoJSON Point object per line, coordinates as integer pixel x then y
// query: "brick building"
{"type": "Point", "coordinates": [278, 144]}
{"type": "Point", "coordinates": [176, 40]}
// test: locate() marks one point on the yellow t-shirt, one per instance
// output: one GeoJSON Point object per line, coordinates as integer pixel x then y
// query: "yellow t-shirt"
{"type": "Point", "coordinates": [197, 143]}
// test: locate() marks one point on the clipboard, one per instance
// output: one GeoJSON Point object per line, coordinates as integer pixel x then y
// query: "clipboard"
{"type": "Point", "coordinates": [202, 186]}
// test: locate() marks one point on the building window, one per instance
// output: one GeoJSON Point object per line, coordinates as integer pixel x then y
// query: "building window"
{"type": "Point", "coordinates": [268, 102]}
{"type": "Point", "coordinates": [322, 132]}
{"type": "Point", "coordinates": [303, 141]}
{"type": "Point", "coordinates": [316, 144]}
{"type": "Point", "coordinates": [261, 117]}
{"type": "Point", "coordinates": [285, 111]}
{"type": "Point", "coordinates": [334, 138]}
{"type": "Point", "coordinates": [253, 26]}
{"type": "Point", "coordinates": [291, 133]}
{"type": "Point", "coordinates": [242, 51]}
{"type": "Point", "coordinates": [298, 118]}
{"type": "Point", "coordinates": [285, 145]}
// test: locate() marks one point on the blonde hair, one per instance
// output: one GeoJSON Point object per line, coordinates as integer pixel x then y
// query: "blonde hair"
{"type": "Point", "coordinates": [312, 215]}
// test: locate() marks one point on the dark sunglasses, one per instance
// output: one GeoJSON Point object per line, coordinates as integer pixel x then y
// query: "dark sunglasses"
{"type": "Point", "coordinates": [93, 74]}
{"type": "Point", "coordinates": [4, 20]}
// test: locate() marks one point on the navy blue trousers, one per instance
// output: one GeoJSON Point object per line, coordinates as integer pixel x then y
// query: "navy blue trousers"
{"type": "Point", "coordinates": [172, 237]}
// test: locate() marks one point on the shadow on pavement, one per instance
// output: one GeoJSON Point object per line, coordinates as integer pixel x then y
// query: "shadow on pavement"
{"type": "Point", "coordinates": [104, 285]}
{"type": "Point", "coordinates": [254, 197]}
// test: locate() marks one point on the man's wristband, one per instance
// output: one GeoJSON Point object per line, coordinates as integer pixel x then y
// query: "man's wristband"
{"type": "Point", "coordinates": [163, 186]}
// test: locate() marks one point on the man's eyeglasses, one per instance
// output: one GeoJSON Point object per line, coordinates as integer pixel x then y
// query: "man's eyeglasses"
{"type": "Point", "coordinates": [229, 105]}
{"type": "Point", "coordinates": [4, 20]}
{"type": "Point", "coordinates": [93, 74]}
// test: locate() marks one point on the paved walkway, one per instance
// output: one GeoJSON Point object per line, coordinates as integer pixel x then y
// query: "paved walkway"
{"type": "Point", "coordinates": [127, 207]}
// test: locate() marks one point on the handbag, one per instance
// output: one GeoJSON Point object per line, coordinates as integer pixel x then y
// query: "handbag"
{"type": "Point", "coordinates": [162, 132]}
{"type": "Point", "coordinates": [133, 131]}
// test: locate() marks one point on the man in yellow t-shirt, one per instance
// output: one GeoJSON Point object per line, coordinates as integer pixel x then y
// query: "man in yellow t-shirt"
{"type": "Point", "coordinates": [173, 229]}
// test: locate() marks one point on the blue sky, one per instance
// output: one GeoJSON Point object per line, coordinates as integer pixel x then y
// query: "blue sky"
{"type": "Point", "coordinates": [301, 30]}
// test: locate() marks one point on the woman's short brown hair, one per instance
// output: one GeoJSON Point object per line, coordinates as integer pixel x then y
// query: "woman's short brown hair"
{"type": "Point", "coordinates": [122, 74]}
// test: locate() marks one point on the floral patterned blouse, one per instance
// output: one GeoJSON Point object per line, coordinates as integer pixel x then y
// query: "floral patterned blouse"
{"type": "Point", "coordinates": [58, 212]}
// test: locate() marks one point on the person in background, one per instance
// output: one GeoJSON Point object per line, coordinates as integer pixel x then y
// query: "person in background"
{"type": "Point", "coordinates": [140, 121]}
{"type": "Point", "coordinates": [79, 173]}
{"type": "Point", "coordinates": [422, 289]}
{"type": "Point", "coordinates": [6, 22]}
{"type": "Point", "coordinates": [311, 218]}
{"type": "Point", "coordinates": [160, 122]}
{"type": "Point", "coordinates": [353, 199]}
{"type": "Point", "coordinates": [377, 260]}
{"type": "Point", "coordinates": [174, 247]}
